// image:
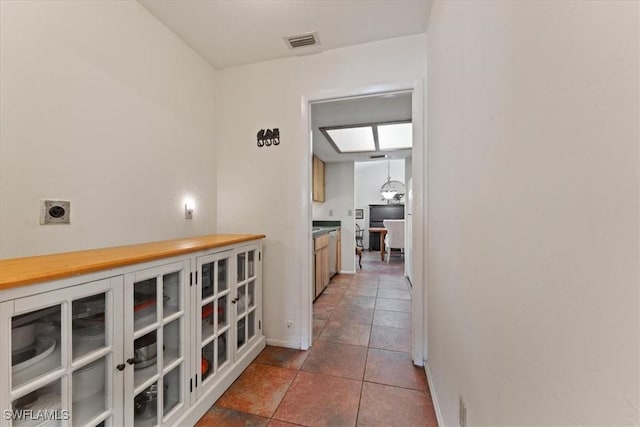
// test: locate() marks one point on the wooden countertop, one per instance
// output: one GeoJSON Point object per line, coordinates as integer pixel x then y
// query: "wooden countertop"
{"type": "Point", "coordinates": [25, 271]}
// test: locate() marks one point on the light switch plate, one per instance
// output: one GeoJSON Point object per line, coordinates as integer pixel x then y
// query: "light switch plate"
{"type": "Point", "coordinates": [55, 212]}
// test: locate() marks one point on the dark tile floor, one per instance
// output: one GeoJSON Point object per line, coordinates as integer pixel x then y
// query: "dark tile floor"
{"type": "Point", "coordinates": [358, 372]}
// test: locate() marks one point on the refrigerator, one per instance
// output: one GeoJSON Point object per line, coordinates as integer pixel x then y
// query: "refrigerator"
{"type": "Point", "coordinates": [408, 249]}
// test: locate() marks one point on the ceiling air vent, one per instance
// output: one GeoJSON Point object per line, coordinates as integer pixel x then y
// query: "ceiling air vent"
{"type": "Point", "coordinates": [302, 40]}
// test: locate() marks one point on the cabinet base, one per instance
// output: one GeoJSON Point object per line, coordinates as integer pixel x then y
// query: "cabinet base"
{"type": "Point", "coordinates": [200, 407]}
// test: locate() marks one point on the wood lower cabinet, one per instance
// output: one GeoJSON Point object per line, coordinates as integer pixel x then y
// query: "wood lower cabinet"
{"type": "Point", "coordinates": [321, 244]}
{"type": "Point", "coordinates": [339, 251]}
{"type": "Point", "coordinates": [154, 343]}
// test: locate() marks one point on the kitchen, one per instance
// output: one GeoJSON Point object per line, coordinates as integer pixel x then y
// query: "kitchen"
{"type": "Point", "coordinates": [349, 181]}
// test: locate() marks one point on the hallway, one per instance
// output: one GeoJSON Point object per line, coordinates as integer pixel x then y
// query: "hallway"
{"type": "Point", "coordinates": [358, 372]}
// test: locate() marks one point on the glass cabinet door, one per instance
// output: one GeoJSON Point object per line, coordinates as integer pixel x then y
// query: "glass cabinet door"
{"type": "Point", "coordinates": [155, 349]}
{"type": "Point", "coordinates": [214, 324]}
{"type": "Point", "coordinates": [247, 316]}
{"type": "Point", "coordinates": [63, 344]}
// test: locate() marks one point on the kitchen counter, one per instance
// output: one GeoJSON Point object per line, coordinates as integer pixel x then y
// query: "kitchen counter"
{"type": "Point", "coordinates": [24, 271]}
{"type": "Point", "coordinates": [324, 227]}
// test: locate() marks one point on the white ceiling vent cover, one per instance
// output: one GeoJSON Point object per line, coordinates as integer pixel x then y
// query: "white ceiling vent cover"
{"type": "Point", "coordinates": [303, 40]}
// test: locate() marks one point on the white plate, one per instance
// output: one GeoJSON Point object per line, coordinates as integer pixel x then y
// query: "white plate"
{"type": "Point", "coordinates": [44, 347]}
{"type": "Point", "coordinates": [46, 402]}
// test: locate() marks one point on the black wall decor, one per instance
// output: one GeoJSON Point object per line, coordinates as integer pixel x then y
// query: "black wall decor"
{"type": "Point", "coordinates": [268, 137]}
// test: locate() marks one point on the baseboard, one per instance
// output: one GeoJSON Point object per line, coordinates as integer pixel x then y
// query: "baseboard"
{"type": "Point", "coordinates": [283, 343]}
{"type": "Point", "coordinates": [434, 397]}
{"type": "Point", "coordinates": [347, 272]}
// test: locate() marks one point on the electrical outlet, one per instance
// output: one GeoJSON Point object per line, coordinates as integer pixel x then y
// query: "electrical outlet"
{"type": "Point", "coordinates": [330, 212]}
{"type": "Point", "coordinates": [55, 212]}
{"type": "Point", "coordinates": [463, 413]}
{"type": "Point", "coordinates": [289, 323]}
{"type": "Point", "coordinates": [349, 212]}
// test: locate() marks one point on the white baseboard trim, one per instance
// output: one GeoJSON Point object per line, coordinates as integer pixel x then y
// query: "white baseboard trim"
{"type": "Point", "coordinates": [283, 343]}
{"type": "Point", "coordinates": [347, 272]}
{"type": "Point", "coordinates": [434, 398]}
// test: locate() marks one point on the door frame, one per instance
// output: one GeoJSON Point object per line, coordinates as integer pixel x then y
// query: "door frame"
{"type": "Point", "coordinates": [419, 234]}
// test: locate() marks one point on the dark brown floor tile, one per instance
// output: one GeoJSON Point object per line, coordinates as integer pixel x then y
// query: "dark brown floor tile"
{"type": "Point", "coordinates": [394, 285]}
{"type": "Point", "coordinates": [342, 278]}
{"type": "Point", "coordinates": [278, 423]}
{"type": "Point", "coordinates": [394, 319]}
{"type": "Point", "coordinates": [394, 368]}
{"type": "Point", "coordinates": [359, 291]}
{"type": "Point", "coordinates": [336, 289]}
{"type": "Point", "coordinates": [320, 400]}
{"type": "Point", "coordinates": [258, 390]}
{"type": "Point", "coordinates": [393, 305]}
{"type": "Point", "coordinates": [346, 333]}
{"type": "Point", "coordinates": [318, 326]}
{"type": "Point", "coordinates": [230, 418]}
{"type": "Point", "coordinates": [364, 283]}
{"type": "Point", "coordinates": [282, 357]}
{"type": "Point", "coordinates": [352, 314]}
{"type": "Point", "coordinates": [338, 360]}
{"type": "Point", "coordinates": [322, 311]}
{"type": "Point", "coordinates": [393, 278]}
{"type": "Point", "coordinates": [364, 302]}
{"type": "Point", "coordinates": [383, 405]}
{"type": "Point", "coordinates": [394, 294]}
{"type": "Point", "coordinates": [390, 338]}
{"type": "Point", "coordinates": [331, 299]}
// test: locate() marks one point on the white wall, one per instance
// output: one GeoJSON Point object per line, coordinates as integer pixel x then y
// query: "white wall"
{"type": "Point", "coordinates": [103, 106]}
{"type": "Point", "coordinates": [370, 176]}
{"type": "Point", "coordinates": [533, 295]}
{"type": "Point", "coordinates": [267, 190]}
{"type": "Point", "coordinates": [339, 198]}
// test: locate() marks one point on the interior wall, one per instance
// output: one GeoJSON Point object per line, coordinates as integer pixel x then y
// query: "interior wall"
{"type": "Point", "coordinates": [370, 176]}
{"type": "Point", "coordinates": [338, 206]}
{"type": "Point", "coordinates": [101, 105]}
{"type": "Point", "coordinates": [271, 94]}
{"type": "Point", "coordinates": [533, 262]}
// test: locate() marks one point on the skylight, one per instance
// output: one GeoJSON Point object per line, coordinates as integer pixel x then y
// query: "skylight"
{"type": "Point", "coordinates": [395, 136]}
{"type": "Point", "coordinates": [353, 139]}
{"type": "Point", "coordinates": [370, 137]}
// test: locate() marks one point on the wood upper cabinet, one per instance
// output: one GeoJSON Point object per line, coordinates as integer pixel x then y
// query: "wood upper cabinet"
{"type": "Point", "coordinates": [318, 180]}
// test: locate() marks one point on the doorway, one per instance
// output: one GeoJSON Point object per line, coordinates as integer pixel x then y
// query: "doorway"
{"type": "Point", "coordinates": [337, 107]}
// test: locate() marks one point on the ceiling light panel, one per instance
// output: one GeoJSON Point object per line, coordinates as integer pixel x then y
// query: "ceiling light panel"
{"type": "Point", "coordinates": [396, 136]}
{"type": "Point", "coordinates": [353, 140]}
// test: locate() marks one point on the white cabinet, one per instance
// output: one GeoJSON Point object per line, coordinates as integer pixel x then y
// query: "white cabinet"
{"type": "Point", "coordinates": [62, 349]}
{"type": "Point", "coordinates": [153, 344]}
{"type": "Point", "coordinates": [228, 289]}
{"type": "Point", "coordinates": [156, 344]}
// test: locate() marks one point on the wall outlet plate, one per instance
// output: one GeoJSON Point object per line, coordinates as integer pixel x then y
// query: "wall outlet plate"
{"type": "Point", "coordinates": [55, 212]}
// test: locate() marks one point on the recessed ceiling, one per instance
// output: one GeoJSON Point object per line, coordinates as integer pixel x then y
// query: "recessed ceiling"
{"type": "Point", "coordinates": [229, 33]}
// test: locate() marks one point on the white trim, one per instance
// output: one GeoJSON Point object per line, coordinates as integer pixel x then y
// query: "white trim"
{"type": "Point", "coordinates": [416, 87]}
{"type": "Point", "coordinates": [284, 343]}
{"type": "Point", "coordinates": [434, 398]}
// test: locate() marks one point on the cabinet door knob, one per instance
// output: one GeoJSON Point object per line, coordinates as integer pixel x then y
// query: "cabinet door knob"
{"type": "Point", "coordinates": [121, 367]}
{"type": "Point", "coordinates": [131, 360]}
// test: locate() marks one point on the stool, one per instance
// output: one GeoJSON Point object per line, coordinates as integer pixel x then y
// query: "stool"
{"type": "Point", "coordinates": [359, 253]}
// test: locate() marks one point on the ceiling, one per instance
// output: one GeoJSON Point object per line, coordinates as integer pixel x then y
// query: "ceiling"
{"type": "Point", "coordinates": [371, 109]}
{"type": "Point", "coordinates": [229, 33]}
